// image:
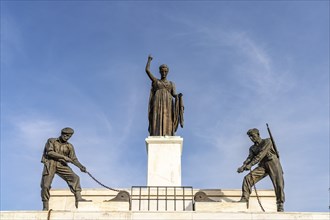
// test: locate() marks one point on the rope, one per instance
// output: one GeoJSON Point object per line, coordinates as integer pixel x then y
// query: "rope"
{"type": "Point", "coordinates": [48, 214]}
{"type": "Point", "coordinates": [255, 189]}
{"type": "Point", "coordinates": [101, 183]}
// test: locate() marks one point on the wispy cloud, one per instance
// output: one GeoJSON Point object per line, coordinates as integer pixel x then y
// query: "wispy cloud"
{"type": "Point", "coordinates": [11, 40]}
{"type": "Point", "coordinates": [31, 130]}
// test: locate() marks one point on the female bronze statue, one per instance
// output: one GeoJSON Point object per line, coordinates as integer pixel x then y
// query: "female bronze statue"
{"type": "Point", "coordinates": [164, 114]}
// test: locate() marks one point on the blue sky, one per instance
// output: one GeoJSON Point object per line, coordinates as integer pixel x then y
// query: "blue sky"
{"type": "Point", "coordinates": [239, 65]}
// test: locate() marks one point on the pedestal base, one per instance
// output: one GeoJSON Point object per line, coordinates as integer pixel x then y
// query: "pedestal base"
{"type": "Point", "coordinates": [164, 160]}
{"type": "Point", "coordinates": [160, 199]}
{"type": "Point", "coordinates": [223, 208]}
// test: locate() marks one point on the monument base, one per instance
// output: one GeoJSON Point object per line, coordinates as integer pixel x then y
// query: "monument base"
{"type": "Point", "coordinates": [163, 199]}
{"type": "Point", "coordinates": [164, 160]}
{"type": "Point", "coordinates": [64, 200]}
{"type": "Point", "coordinates": [223, 207]}
{"type": "Point", "coordinates": [104, 206]}
{"type": "Point", "coordinates": [211, 215]}
{"type": "Point", "coordinates": [226, 201]}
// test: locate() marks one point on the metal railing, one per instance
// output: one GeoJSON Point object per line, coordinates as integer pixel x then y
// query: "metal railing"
{"type": "Point", "coordinates": [162, 198]}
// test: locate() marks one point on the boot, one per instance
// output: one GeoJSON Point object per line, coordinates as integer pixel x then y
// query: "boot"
{"type": "Point", "coordinates": [45, 206]}
{"type": "Point", "coordinates": [243, 199]}
{"type": "Point", "coordinates": [280, 207]}
{"type": "Point", "coordinates": [80, 199]}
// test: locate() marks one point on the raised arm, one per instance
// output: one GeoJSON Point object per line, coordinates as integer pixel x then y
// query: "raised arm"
{"type": "Point", "coordinates": [152, 78]}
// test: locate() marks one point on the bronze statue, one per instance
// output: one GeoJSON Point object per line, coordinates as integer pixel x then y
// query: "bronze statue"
{"type": "Point", "coordinates": [58, 152]}
{"type": "Point", "coordinates": [264, 153]}
{"type": "Point", "coordinates": [164, 114]}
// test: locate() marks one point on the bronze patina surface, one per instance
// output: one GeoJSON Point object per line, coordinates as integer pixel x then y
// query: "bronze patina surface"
{"type": "Point", "coordinates": [164, 113]}
{"type": "Point", "coordinates": [263, 153]}
{"type": "Point", "coordinates": [58, 152]}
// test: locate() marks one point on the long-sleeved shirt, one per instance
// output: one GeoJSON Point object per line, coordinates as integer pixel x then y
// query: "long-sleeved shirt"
{"type": "Point", "coordinates": [260, 153]}
{"type": "Point", "coordinates": [55, 150]}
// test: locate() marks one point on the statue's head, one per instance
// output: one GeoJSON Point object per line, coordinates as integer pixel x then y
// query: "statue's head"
{"type": "Point", "coordinates": [67, 131]}
{"type": "Point", "coordinates": [253, 131]}
{"type": "Point", "coordinates": [163, 70]}
{"type": "Point", "coordinates": [66, 134]}
{"type": "Point", "coordinates": [254, 135]}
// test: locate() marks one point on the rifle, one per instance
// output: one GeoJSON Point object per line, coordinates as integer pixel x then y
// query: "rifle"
{"type": "Point", "coordinates": [272, 139]}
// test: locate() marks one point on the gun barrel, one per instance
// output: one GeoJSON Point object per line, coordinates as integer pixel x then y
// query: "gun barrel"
{"type": "Point", "coordinates": [273, 142]}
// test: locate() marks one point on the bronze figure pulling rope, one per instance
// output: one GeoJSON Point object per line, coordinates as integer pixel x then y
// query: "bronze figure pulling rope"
{"type": "Point", "coordinates": [263, 153]}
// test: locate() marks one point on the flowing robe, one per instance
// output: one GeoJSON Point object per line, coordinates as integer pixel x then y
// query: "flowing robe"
{"type": "Point", "coordinates": [162, 117]}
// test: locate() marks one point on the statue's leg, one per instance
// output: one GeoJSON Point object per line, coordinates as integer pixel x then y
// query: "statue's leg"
{"type": "Point", "coordinates": [46, 181]}
{"type": "Point", "coordinates": [275, 171]}
{"type": "Point", "coordinates": [250, 179]}
{"type": "Point", "coordinates": [72, 179]}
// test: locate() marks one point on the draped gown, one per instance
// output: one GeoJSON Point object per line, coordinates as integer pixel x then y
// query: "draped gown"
{"type": "Point", "coordinates": [162, 112]}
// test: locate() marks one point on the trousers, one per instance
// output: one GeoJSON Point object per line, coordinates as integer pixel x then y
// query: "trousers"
{"type": "Point", "coordinates": [64, 171]}
{"type": "Point", "coordinates": [272, 168]}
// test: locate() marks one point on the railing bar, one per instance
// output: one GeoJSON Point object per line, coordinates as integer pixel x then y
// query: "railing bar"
{"type": "Point", "coordinates": [174, 198]}
{"type": "Point", "coordinates": [131, 203]}
{"type": "Point", "coordinates": [165, 198]}
{"type": "Point", "coordinates": [163, 193]}
{"type": "Point", "coordinates": [192, 199]}
{"type": "Point", "coordinates": [148, 198]}
{"type": "Point", "coordinates": [140, 198]}
{"type": "Point", "coordinates": [157, 197]}
{"type": "Point", "coordinates": [183, 198]}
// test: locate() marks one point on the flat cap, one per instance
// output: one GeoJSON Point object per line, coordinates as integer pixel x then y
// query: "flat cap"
{"type": "Point", "coordinates": [67, 131]}
{"type": "Point", "coordinates": [253, 131]}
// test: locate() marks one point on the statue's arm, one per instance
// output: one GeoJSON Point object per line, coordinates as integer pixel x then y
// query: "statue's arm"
{"type": "Point", "coordinates": [51, 152]}
{"type": "Point", "coordinates": [75, 160]}
{"type": "Point", "coordinates": [246, 162]}
{"type": "Point", "coordinates": [173, 91]}
{"type": "Point", "coordinates": [150, 75]}
{"type": "Point", "coordinates": [262, 153]}
{"type": "Point", "coordinates": [249, 158]}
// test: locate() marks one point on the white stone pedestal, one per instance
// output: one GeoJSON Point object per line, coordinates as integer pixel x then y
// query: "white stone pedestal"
{"type": "Point", "coordinates": [164, 160]}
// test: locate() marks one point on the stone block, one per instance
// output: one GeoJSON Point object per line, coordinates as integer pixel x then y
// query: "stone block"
{"type": "Point", "coordinates": [139, 215]}
{"type": "Point", "coordinates": [164, 160]}
{"type": "Point", "coordinates": [226, 201]}
{"type": "Point", "coordinates": [109, 206]}
{"type": "Point", "coordinates": [64, 200]}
